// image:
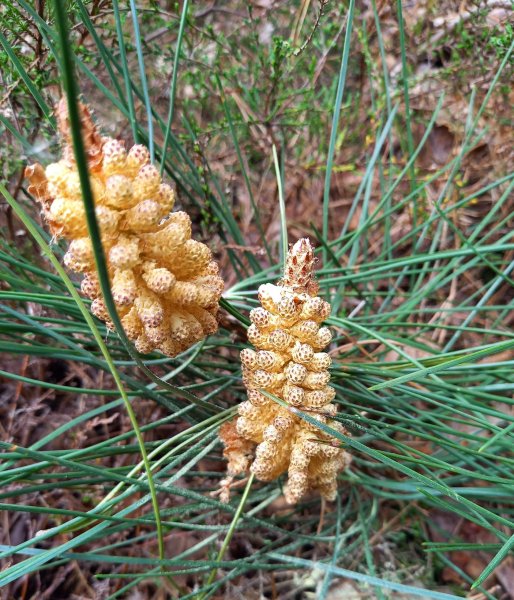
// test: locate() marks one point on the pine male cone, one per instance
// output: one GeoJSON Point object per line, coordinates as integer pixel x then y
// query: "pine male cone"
{"type": "Point", "coordinates": [288, 362]}
{"type": "Point", "coordinates": [165, 285]}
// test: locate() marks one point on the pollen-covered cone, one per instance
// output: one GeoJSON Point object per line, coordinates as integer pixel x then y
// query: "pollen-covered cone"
{"type": "Point", "coordinates": [288, 361]}
{"type": "Point", "coordinates": [165, 284]}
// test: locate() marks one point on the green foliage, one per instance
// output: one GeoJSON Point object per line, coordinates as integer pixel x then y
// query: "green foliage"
{"type": "Point", "coordinates": [501, 40]}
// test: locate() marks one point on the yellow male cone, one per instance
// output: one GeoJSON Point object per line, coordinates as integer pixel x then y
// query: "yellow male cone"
{"type": "Point", "coordinates": [165, 284]}
{"type": "Point", "coordinates": [288, 361]}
